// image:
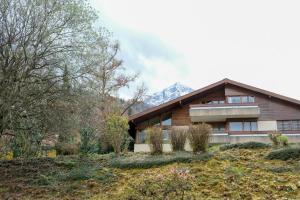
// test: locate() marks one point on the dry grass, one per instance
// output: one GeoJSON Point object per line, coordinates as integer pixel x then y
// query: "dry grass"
{"type": "Point", "coordinates": [178, 139]}
{"type": "Point", "coordinates": [155, 137]}
{"type": "Point", "coordinates": [199, 137]}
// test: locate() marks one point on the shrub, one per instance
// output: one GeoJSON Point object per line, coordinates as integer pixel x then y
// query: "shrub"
{"type": "Point", "coordinates": [66, 148]}
{"type": "Point", "coordinates": [155, 137]}
{"type": "Point", "coordinates": [199, 137]}
{"type": "Point", "coordinates": [274, 138]}
{"type": "Point", "coordinates": [174, 184]}
{"type": "Point", "coordinates": [278, 139]}
{"type": "Point", "coordinates": [116, 131]}
{"type": "Point", "coordinates": [88, 140]}
{"type": "Point", "coordinates": [246, 145]}
{"type": "Point", "coordinates": [159, 160]}
{"type": "Point", "coordinates": [178, 138]}
{"type": "Point", "coordinates": [284, 154]}
{"type": "Point", "coordinates": [283, 140]}
{"type": "Point", "coordinates": [27, 144]}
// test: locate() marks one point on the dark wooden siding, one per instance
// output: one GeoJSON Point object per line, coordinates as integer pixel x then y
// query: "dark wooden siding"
{"type": "Point", "coordinates": [180, 115]}
{"type": "Point", "coordinates": [270, 107]}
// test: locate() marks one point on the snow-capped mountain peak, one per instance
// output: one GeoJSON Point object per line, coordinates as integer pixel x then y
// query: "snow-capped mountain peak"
{"type": "Point", "coordinates": [167, 94]}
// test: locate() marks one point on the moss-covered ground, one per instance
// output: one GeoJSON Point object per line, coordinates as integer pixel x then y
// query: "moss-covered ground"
{"type": "Point", "coordinates": [230, 174]}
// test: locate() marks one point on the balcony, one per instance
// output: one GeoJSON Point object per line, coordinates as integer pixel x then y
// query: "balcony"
{"type": "Point", "coordinates": [221, 112]}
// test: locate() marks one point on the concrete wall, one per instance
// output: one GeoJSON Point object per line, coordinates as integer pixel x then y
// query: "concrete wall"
{"type": "Point", "coordinates": [146, 148]}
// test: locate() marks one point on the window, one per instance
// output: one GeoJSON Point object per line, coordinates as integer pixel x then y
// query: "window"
{"type": "Point", "coordinates": [218, 128]}
{"type": "Point", "coordinates": [236, 126]}
{"type": "Point", "coordinates": [241, 99]}
{"type": "Point", "coordinates": [234, 99]}
{"type": "Point", "coordinates": [215, 102]}
{"type": "Point", "coordinates": [142, 137]}
{"type": "Point", "coordinates": [243, 126]}
{"type": "Point", "coordinates": [166, 136]}
{"type": "Point", "coordinates": [167, 120]}
{"type": "Point", "coordinates": [154, 121]}
{"type": "Point", "coordinates": [288, 125]}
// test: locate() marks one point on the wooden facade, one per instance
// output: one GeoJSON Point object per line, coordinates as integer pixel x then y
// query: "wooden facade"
{"type": "Point", "coordinates": [272, 106]}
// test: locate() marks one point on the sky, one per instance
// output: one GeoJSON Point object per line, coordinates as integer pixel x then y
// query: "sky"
{"type": "Point", "coordinates": [198, 42]}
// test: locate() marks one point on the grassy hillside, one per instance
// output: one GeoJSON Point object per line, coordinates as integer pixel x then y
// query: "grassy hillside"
{"type": "Point", "coordinates": [230, 174]}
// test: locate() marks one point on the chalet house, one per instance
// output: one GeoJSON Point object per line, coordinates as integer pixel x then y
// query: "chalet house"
{"type": "Point", "coordinates": [237, 113]}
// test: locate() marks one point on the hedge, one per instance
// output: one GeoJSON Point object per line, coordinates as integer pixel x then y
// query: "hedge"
{"type": "Point", "coordinates": [246, 145]}
{"type": "Point", "coordinates": [155, 161]}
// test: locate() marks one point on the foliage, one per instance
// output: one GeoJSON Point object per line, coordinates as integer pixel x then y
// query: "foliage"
{"type": "Point", "coordinates": [283, 140]}
{"type": "Point", "coordinates": [246, 145]}
{"type": "Point", "coordinates": [274, 137]}
{"type": "Point", "coordinates": [174, 185]}
{"type": "Point", "coordinates": [116, 131]}
{"type": "Point", "coordinates": [199, 137]}
{"type": "Point", "coordinates": [67, 148]}
{"type": "Point", "coordinates": [128, 144]}
{"type": "Point", "coordinates": [155, 138]}
{"type": "Point", "coordinates": [285, 154]}
{"type": "Point", "coordinates": [278, 139]}
{"type": "Point", "coordinates": [26, 144]}
{"type": "Point", "coordinates": [59, 69]}
{"type": "Point", "coordinates": [231, 174]}
{"type": "Point", "coordinates": [88, 140]}
{"type": "Point", "coordinates": [178, 139]}
{"type": "Point", "coordinates": [158, 160]}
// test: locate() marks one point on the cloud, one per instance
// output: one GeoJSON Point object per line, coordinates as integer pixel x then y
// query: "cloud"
{"type": "Point", "coordinates": [199, 42]}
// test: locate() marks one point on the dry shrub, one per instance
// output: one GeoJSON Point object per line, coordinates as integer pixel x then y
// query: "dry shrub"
{"type": "Point", "coordinates": [155, 137]}
{"type": "Point", "coordinates": [278, 139]}
{"type": "Point", "coordinates": [67, 148]}
{"type": "Point", "coordinates": [178, 138]}
{"type": "Point", "coordinates": [199, 137]}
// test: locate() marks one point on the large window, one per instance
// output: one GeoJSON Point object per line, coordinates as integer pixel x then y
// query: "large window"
{"type": "Point", "coordinates": [243, 126]}
{"type": "Point", "coordinates": [288, 125]}
{"type": "Point", "coordinates": [241, 99]}
{"type": "Point", "coordinates": [166, 120]}
{"type": "Point", "coordinates": [142, 136]}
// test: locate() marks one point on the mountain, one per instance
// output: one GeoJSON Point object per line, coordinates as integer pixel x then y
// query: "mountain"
{"type": "Point", "coordinates": [167, 94]}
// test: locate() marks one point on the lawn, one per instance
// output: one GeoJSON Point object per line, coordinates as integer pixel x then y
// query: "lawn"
{"type": "Point", "coordinates": [229, 174]}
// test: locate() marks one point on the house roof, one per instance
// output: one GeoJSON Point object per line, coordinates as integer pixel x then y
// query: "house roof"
{"type": "Point", "coordinates": [170, 104]}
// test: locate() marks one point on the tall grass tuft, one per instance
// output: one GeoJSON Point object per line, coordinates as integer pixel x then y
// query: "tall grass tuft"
{"type": "Point", "coordinates": [178, 139]}
{"type": "Point", "coordinates": [199, 137]}
{"type": "Point", "coordinates": [155, 137]}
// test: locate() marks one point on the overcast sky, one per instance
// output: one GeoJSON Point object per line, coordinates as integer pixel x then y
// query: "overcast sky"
{"type": "Point", "coordinates": [197, 42]}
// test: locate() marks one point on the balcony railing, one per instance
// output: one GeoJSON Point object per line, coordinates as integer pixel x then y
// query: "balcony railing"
{"type": "Point", "coordinates": [221, 112]}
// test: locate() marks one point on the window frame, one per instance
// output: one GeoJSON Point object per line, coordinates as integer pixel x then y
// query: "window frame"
{"type": "Point", "coordinates": [288, 125]}
{"type": "Point", "coordinates": [249, 99]}
{"type": "Point", "coordinates": [252, 127]}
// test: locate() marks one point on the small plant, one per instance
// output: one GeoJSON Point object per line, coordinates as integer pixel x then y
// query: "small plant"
{"type": "Point", "coordinates": [283, 140]}
{"type": "Point", "coordinates": [155, 137]}
{"type": "Point", "coordinates": [116, 131]}
{"type": "Point", "coordinates": [278, 139]}
{"type": "Point", "coordinates": [88, 140]}
{"type": "Point", "coordinates": [285, 154]}
{"type": "Point", "coordinates": [178, 138]}
{"type": "Point", "coordinates": [246, 145]}
{"type": "Point", "coordinates": [199, 137]}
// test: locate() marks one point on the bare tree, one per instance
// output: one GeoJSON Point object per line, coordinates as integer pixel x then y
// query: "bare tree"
{"type": "Point", "coordinates": [36, 39]}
